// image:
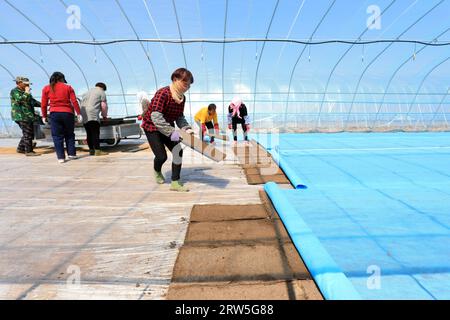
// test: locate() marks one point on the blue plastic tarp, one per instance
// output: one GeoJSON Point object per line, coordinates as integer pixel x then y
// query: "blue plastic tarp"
{"type": "Point", "coordinates": [378, 204]}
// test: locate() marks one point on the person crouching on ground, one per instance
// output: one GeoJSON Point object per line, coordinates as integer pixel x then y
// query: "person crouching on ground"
{"type": "Point", "coordinates": [22, 112]}
{"type": "Point", "coordinates": [237, 114]}
{"type": "Point", "coordinates": [165, 109]}
{"type": "Point", "coordinates": [206, 118]}
{"type": "Point", "coordinates": [63, 102]}
{"type": "Point", "coordinates": [92, 104]}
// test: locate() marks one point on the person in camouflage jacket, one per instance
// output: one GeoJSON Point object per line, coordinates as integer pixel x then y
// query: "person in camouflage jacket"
{"type": "Point", "coordinates": [22, 112]}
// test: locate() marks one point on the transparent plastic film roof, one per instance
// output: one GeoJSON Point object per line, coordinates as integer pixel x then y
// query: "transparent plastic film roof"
{"type": "Point", "coordinates": [297, 65]}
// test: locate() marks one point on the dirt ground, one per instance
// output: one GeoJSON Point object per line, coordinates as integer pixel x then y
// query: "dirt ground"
{"type": "Point", "coordinates": [234, 252]}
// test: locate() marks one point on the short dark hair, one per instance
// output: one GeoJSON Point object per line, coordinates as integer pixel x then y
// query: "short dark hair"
{"type": "Point", "coordinates": [101, 85]}
{"type": "Point", "coordinates": [211, 107]}
{"type": "Point", "coordinates": [182, 74]}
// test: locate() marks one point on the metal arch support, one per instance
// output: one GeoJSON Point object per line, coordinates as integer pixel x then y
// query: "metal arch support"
{"type": "Point", "coordinates": [1, 115]}
{"type": "Point", "coordinates": [223, 63]}
{"type": "Point", "coordinates": [246, 36]}
{"type": "Point", "coordinates": [205, 64]}
{"type": "Point", "coordinates": [157, 33]}
{"type": "Point", "coordinates": [184, 53]}
{"type": "Point", "coordinates": [8, 71]}
{"type": "Point", "coordinates": [439, 107]}
{"type": "Point", "coordinates": [108, 57]}
{"type": "Point", "coordinates": [289, 33]}
{"type": "Point", "coordinates": [143, 49]}
{"type": "Point", "coordinates": [422, 83]}
{"type": "Point", "coordinates": [281, 53]}
{"type": "Point", "coordinates": [300, 55]}
{"type": "Point", "coordinates": [231, 40]}
{"type": "Point", "coordinates": [339, 61]}
{"type": "Point", "coordinates": [179, 32]}
{"type": "Point", "coordinates": [28, 56]}
{"type": "Point", "coordinates": [260, 56]}
{"type": "Point", "coordinates": [393, 76]}
{"type": "Point", "coordinates": [99, 21]}
{"type": "Point", "coordinates": [78, 66]}
{"type": "Point", "coordinates": [50, 39]}
{"type": "Point", "coordinates": [381, 53]}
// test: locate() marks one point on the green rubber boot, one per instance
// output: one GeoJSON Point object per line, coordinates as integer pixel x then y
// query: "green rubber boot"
{"type": "Point", "coordinates": [100, 153]}
{"type": "Point", "coordinates": [159, 177]}
{"type": "Point", "coordinates": [178, 186]}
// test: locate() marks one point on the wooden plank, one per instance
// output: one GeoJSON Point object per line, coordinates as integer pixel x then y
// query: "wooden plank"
{"type": "Point", "coordinates": [267, 166]}
{"type": "Point", "coordinates": [204, 148]}
{"type": "Point", "coordinates": [253, 179]}
{"type": "Point", "coordinates": [269, 171]}
{"type": "Point", "coordinates": [251, 171]}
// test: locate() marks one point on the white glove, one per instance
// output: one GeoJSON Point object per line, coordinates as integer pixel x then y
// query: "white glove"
{"type": "Point", "coordinates": [79, 118]}
{"type": "Point", "coordinates": [189, 131]}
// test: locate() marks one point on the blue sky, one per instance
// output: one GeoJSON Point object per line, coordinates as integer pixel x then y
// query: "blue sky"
{"type": "Point", "coordinates": [295, 19]}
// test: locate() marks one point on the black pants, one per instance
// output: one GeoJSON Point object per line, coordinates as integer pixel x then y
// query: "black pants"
{"type": "Point", "coordinates": [26, 142]}
{"type": "Point", "coordinates": [158, 143]}
{"type": "Point", "coordinates": [63, 126]}
{"type": "Point", "coordinates": [93, 134]}
{"type": "Point", "coordinates": [210, 127]}
{"type": "Point", "coordinates": [234, 123]}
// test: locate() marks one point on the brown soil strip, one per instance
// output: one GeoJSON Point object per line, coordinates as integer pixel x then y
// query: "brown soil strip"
{"type": "Point", "coordinates": [230, 263]}
{"type": "Point", "coordinates": [235, 252]}
{"type": "Point", "coordinates": [227, 212]}
{"type": "Point", "coordinates": [231, 249]}
{"type": "Point", "coordinates": [267, 290]}
{"type": "Point", "coordinates": [232, 232]}
{"type": "Point", "coordinates": [198, 263]}
{"type": "Point", "coordinates": [258, 165]}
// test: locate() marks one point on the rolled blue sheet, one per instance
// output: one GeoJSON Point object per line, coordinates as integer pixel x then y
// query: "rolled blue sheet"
{"type": "Point", "coordinates": [293, 177]}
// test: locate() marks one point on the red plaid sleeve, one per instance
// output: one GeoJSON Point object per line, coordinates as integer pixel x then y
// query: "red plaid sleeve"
{"type": "Point", "coordinates": [159, 101]}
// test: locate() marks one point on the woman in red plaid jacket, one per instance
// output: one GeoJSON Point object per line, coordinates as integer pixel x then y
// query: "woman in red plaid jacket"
{"type": "Point", "coordinates": [166, 108]}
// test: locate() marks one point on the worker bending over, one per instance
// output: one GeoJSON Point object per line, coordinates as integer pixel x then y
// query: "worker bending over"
{"type": "Point", "coordinates": [92, 105]}
{"type": "Point", "coordinates": [206, 118]}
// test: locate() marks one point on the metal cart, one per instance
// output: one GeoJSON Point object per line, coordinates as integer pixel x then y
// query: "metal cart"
{"type": "Point", "coordinates": [112, 131]}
